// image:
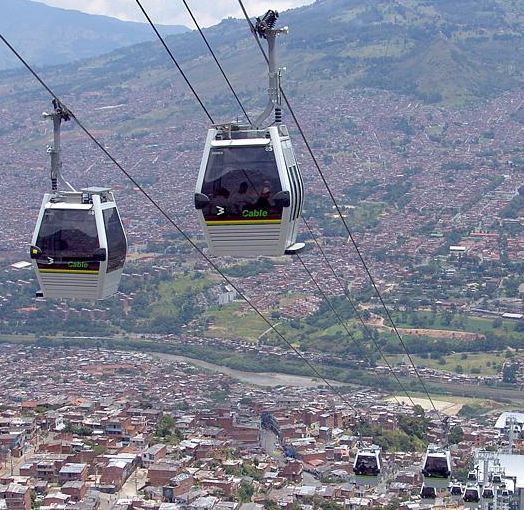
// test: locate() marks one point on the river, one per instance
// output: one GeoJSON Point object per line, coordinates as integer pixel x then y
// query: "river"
{"type": "Point", "coordinates": [258, 378]}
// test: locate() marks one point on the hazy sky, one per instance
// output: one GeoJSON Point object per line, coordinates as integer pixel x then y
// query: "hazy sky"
{"type": "Point", "coordinates": [173, 12]}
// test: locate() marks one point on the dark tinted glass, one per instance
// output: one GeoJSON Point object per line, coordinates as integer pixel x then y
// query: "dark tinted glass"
{"type": "Point", "coordinates": [68, 234]}
{"type": "Point", "coordinates": [471, 495]}
{"type": "Point", "coordinates": [366, 465]}
{"type": "Point", "coordinates": [427, 493]}
{"type": "Point", "coordinates": [436, 466]}
{"type": "Point", "coordinates": [116, 240]}
{"type": "Point", "coordinates": [241, 183]}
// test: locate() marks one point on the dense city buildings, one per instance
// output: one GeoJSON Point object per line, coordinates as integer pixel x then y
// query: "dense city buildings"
{"type": "Point", "coordinates": [90, 428]}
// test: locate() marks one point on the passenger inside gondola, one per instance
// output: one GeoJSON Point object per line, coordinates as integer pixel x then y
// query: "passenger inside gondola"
{"type": "Point", "coordinates": [241, 199]}
{"type": "Point", "coordinates": [242, 182]}
{"type": "Point", "coordinates": [264, 200]}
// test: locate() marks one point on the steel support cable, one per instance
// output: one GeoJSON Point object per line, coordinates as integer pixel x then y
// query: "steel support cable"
{"type": "Point", "coordinates": [171, 221]}
{"type": "Point", "coordinates": [357, 312]}
{"type": "Point", "coordinates": [339, 213]}
{"type": "Point", "coordinates": [161, 39]}
{"type": "Point", "coordinates": [216, 60]}
{"type": "Point", "coordinates": [344, 325]}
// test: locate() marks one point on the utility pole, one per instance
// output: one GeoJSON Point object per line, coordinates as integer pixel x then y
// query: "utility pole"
{"type": "Point", "coordinates": [511, 422]}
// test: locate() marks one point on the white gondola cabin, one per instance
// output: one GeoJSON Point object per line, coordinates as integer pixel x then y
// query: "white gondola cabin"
{"type": "Point", "coordinates": [488, 492]}
{"type": "Point", "coordinates": [472, 476]}
{"type": "Point", "coordinates": [496, 478]}
{"type": "Point", "coordinates": [471, 496]}
{"type": "Point", "coordinates": [249, 192]}
{"type": "Point", "coordinates": [79, 245]}
{"type": "Point", "coordinates": [367, 465]}
{"type": "Point", "coordinates": [437, 467]}
{"type": "Point", "coordinates": [456, 489]}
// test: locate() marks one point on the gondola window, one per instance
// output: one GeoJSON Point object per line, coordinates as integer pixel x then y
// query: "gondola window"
{"type": "Point", "coordinates": [241, 183]}
{"type": "Point", "coordinates": [67, 235]}
{"type": "Point", "coordinates": [116, 240]}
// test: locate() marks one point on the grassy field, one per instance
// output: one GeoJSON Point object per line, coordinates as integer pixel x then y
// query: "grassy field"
{"type": "Point", "coordinates": [454, 403]}
{"type": "Point", "coordinates": [174, 298]}
{"type": "Point", "coordinates": [454, 322]}
{"type": "Point", "coordinates": [485, 363]}
{"type": "Point", "coordinates": [184, 285]}
{"type": "Point", "coordinates": [230, 322]}
{"type": "Point", "coordinates": [133, 257]}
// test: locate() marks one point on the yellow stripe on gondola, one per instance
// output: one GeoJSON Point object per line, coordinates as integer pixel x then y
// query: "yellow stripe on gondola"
{"type": "Point", "coordinates": [76, 271]}
{"type": "Point", "coordinates": [244, 222]}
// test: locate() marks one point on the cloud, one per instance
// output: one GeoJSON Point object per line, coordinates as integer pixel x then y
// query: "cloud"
{"type": "Point", "coordinates": [173, 12]}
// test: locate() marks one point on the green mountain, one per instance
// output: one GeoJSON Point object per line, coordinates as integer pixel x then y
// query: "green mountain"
{"type": "Point", "coordinates": [48, 35]}
{"type": "Point", "coordinates": [440, 51]}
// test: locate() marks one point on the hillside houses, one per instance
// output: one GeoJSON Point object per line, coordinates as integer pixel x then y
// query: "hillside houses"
{"type": "Point", "coordinates": [108, 444]}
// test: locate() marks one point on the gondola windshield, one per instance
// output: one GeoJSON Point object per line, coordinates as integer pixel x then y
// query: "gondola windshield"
{"type": "Point", "coordinates": [241, 183]}
{"type": "Point", "coordinates": [436, 466]}
{"type": "Point", "coordinates": [428, 492]}
{"type": "Point", "coordinates": [116, 240]}
{"type": "Point", "coordinates": [67, 234]}
{"type": "Point", "coordinates": [366, 464]}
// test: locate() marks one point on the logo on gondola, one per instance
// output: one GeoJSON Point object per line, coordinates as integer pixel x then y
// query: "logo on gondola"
{"type": "Point", "coordinates": [257, 213]}
{"type": "Point", "coordinates": [77, 265]}
{"type": "Point", "coordinates": [220, 210]}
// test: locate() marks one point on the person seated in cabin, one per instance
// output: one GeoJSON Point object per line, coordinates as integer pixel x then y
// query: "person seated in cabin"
{"type": "Point", "coordinates": [264, 200]}
{"type": "Point", "coordinates": [241, 199]}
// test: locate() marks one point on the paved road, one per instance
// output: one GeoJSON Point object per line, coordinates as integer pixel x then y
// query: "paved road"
{"type": "Point", "coordinates": [128, 491]}
{"type": "Point", "coordinates": [134, 483]}
{"type": "Point", "coordinates": [11, 465]}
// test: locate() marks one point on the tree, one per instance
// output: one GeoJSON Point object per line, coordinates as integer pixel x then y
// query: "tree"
{"type": "Point", "coordinates": [330, 505]}
{"type": "Point", "coordinates": [418, 410]}
{"type": "Point", "coordinates": [245, 491]}
{"type": "Point", "coordinates": [414, 426]}
{"type": "Point", "coordinates": [164, 426]}
{"type": "Point", "coordinates": [509, 373]}
{"type": "Point", "coordinates": [456, 435]}
{"type": "Point", "coordinates": [496, 323]}
{"type": "Point", "coordinates": [393, 504]}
